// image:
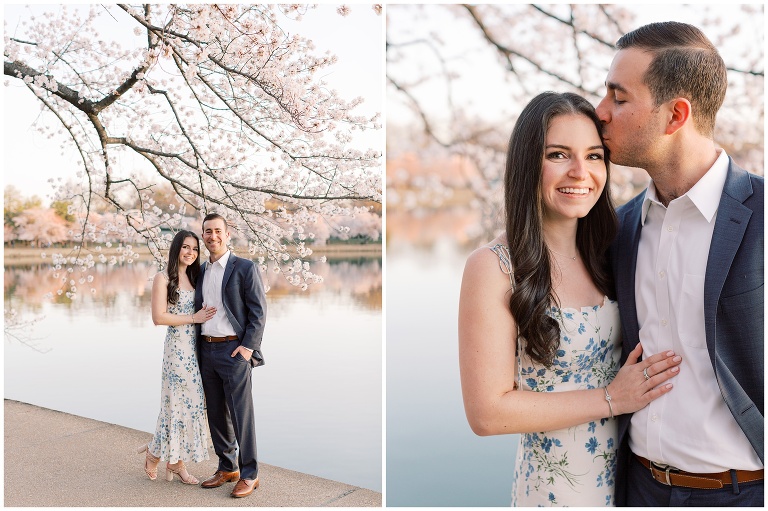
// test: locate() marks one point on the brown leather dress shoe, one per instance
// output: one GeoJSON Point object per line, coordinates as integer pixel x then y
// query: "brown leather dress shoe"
{"type": "Point", "coordinates": [220, 478]}
{"type": "Point", "coordinates": [245, 487]}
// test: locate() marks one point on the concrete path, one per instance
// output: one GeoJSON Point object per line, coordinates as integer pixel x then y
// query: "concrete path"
{"type": "Point", "coordinates": [56, 459]}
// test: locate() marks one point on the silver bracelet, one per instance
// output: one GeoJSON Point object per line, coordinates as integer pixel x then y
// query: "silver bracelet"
{"type": "Point", "coordinates": [608, 398]}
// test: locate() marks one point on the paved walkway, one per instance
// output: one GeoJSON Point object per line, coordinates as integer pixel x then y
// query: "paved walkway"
{"type": "Point", "coordinates": [56, 459]}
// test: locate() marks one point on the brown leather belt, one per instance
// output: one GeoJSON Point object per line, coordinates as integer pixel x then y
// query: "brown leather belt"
{"type": "Point", "coordinates": [672, 476]}
{"type": "Point", "coordinates": [208, 338]}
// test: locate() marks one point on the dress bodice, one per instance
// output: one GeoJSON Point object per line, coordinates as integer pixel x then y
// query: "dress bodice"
{"type": "Point", "coordinates": [588, 355]}
{"type": "Point", "coordinates": [185, 304]}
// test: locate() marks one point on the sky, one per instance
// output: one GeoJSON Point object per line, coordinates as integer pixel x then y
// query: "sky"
{"type": "Point", "coordinates": [30, 158]}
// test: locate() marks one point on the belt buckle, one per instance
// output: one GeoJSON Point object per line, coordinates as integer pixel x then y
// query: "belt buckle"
{"type": "Point", "coordinates": [666, 469]}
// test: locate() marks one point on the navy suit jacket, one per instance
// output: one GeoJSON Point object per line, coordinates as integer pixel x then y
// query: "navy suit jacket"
{"type": "Point", "coordinates": [733, 304]}
{"type": "Point", "coordinates": [244, 302]}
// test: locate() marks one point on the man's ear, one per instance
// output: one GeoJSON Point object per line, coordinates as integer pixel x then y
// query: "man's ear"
{"type": "Point", "coordinates": [679, 114]}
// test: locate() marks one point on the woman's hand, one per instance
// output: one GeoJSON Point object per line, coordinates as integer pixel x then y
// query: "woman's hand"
{"type": "Point", "coordinates": [203, 314]}
{"type": "Point", "coordinates": [631, 390]}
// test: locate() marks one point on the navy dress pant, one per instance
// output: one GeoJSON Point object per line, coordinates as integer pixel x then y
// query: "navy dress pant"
{"type": "Point", "coordinates": [644, 491]}
{"type": "Point", "coordinates": [228, 396]}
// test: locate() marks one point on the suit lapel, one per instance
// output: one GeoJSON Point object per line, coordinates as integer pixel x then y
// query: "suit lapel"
{"type": "Point", "coordinates": [730, 225]}
{"type": "Point", "coordinates": [625, 278]}
{"type": "Point", "coordinates": [227, 273]}
{"type": "Point", "coordinates": [199, 285]}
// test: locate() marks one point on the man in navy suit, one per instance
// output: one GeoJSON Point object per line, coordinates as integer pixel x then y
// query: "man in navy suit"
{"type": "Point", "coordinates": [688, 265]}
{"type": "Point", "coordinates": [229, 347]}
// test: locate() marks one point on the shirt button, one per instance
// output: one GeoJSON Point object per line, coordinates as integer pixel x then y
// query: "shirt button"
{"type": "Point", "coordinates": [661, 274]}
{"type": "Point", "coordinates": [670, 228]}
{"type": "Point", "coordinates": [654, 417]}
{"type": "Point", "coordinates": [663, 322]}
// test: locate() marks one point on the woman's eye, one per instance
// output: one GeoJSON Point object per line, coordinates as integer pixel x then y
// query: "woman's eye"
{"type": "Point", "coordinates": [595, 156]}
{"type": "Point", "coordinates": [556, 155]}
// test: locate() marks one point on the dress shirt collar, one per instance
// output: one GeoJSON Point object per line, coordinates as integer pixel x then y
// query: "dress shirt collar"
{"type": "Point", "coordinates": [222, 261]}
{"type": "Point", "coordinates": [705, 194]}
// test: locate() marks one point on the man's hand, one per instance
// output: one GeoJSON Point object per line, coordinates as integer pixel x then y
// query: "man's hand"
{"type": "Point", "coordinates": [245, 352]}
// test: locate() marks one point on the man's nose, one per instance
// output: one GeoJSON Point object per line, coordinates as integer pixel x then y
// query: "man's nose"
{"type": "Point", "coordinates": [602, 110]}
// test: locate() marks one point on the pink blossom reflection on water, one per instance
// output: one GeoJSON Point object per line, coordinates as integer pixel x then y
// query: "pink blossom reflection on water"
{"type": "Point", "coordinates": [318, 398]}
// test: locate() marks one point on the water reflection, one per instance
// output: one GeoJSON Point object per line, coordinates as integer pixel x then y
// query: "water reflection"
{"type": "Point", "coordinates": [360, 278]}
{"type": "Point", "coordinates": [27, 286]}
{"type": "Point", "coordinates": [433, 458]}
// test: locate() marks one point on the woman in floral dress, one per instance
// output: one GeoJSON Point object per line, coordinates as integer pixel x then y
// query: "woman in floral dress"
{"type": "Point", "coordinates": [539, 337]}
{"type": "Point", "coordinates": [181, 433]}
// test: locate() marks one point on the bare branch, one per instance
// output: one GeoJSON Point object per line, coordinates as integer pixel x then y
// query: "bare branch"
{"type": "Point", "coordinates": [507, 52]}
{"type": "Point", "coordinates": [570, 24]}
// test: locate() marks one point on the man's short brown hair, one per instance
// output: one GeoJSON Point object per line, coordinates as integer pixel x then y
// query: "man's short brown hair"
{"type": "Point", "coordinates": [214, 216]}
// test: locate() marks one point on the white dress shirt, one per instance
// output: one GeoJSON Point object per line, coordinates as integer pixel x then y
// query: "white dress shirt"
{"type": "Point", "coordinates": [218, 325]}
{"type": "Point", "coordinates": [690, 427]}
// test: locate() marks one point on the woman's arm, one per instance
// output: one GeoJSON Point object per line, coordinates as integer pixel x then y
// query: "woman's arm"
{"type": "Point", "coordinates": [487, 343]}
{"type": "Point", "coordinates": [160, 314]}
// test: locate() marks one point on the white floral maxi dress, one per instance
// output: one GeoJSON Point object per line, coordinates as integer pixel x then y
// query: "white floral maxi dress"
{"type": "Point", "coordinates": [182, 425]}
{"type": "Point", "coordinates": [574, 466]}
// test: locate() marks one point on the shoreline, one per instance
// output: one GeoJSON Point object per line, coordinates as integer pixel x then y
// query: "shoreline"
{"type": "Point", "coordinates": [19, 256]}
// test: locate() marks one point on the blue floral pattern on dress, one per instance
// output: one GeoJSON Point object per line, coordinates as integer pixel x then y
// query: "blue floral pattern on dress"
{"type": "Point", "coordinates": [181, 432]}
{"type": "Point", "coordinates": [574, 466]}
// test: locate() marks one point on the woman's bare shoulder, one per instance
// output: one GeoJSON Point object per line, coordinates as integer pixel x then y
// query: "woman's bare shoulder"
{"type": "Point", "coordinates": [485, 267]}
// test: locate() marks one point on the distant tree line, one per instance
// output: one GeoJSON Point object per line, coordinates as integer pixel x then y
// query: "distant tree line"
{"type": "Point", "coordinates": [28, 222]}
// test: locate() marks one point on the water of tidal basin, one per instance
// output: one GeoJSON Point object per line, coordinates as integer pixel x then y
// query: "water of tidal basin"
{"type": "Point", "coordinates": [317, 399]}
{"type": "Point", "coordinates": [433, 458]}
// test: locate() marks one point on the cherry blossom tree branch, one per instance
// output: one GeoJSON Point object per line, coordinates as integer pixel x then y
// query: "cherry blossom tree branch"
{"type": "Point", "coordinates": [219, 102]}
{"type": "Point", "coordinates": [572, 26]}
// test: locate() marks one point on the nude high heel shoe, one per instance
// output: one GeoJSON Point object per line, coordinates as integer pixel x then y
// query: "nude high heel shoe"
{"type": "Point", "coordinates": [180, 470]}
{"type": "Point", "coordinates": [149, 461]}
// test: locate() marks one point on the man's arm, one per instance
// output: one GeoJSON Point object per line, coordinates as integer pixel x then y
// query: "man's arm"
{"type": "Point", "coordinates": [256, 310]}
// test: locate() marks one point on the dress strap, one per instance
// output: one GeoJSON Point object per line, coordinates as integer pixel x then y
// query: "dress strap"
{"type": "Point", "coordinates": [505, 264]}
{"type": "Point", "coordinates": [505, 261]}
